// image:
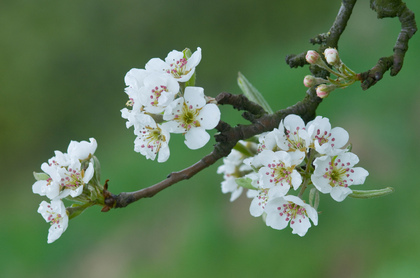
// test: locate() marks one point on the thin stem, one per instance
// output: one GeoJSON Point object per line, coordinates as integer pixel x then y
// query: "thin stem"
{"type": "Point", "coordinates": [306, 175]}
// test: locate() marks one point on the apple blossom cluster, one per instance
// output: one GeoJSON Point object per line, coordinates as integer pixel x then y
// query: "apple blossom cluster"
{"type": "Point", "coordinates": [74, 176]}
{"type": "Point", "coordinates": [290, 159]}
{"type": "Point", "coordinates": [345, 76]}
{"type": "Point", "coordinates": [164, 100]}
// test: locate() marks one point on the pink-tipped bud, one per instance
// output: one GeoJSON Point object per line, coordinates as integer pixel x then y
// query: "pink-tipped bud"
{"type": "Point", "coordinates": [331, 55]}
{"type": "Point", "coordinates": [309, 81]}
{"type": "Point", "coordinates": [312, 57]}
{"type": "Point", "coordinates": [323, 90]}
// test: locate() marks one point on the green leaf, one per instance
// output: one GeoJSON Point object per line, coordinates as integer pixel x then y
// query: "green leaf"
{"type": "Point", "coordinates": [76, 210]}
{"type": "Point", "coordinates": [41, 176]}
{"type": "Point", "coordinates": [187, 54]}
{"type": "Point", "coordinates": [368, 194]}
{"type": "Point", "coordinates": [97, 169]}
{"type": "Point", "coordinates": [243, 149]}
{"type": "Point", "coordinates": [191, 82]}
{"type": "Point", "coordinates": [252, 93]}
{"type": "Point", "coordinates": [245, 183]}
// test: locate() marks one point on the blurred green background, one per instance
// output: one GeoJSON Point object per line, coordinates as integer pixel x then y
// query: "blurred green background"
{"type": "Point", "coordinates": [62, 67]}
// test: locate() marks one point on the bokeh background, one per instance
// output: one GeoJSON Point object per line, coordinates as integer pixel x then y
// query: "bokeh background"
{"type": "Point", "coordinates": [62, 65]}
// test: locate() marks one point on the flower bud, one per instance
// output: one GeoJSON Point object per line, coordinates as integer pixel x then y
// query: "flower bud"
{"type": "Point", "coordinates": [312, 57]}
{"type": "Point", "coordinates": [309, 81]}
{"type": "Point", "coordinates": [331, 55]}
{"type": "Point", "coordinates": [324, 90]}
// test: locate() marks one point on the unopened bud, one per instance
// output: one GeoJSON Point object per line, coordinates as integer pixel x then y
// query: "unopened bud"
{"type": "Point", "coordinates": [312, 57]}
{"type": "Point", "coordinates": [331, 55]}
{"type": "Point", "coordinates": [309, 81]}
{"type": "Point", "coordinates": [324, 90]}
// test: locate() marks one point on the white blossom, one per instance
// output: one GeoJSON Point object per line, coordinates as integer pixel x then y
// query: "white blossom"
{"type": "Point", "coordinates": [176, 64]}
{"type": "Point", "coordinates": [335, 175]}
{"type": "Point", "coordinates": [158, 92]}
{"type": "Point", "coordinates": [65, 173]}
{"type": "Point", "coordinates": [324, 139]}
{"type": "Point", "coordinates": [278, 172]}
{"type": "Point", "coordinates": [74, 178]}
{"type": "Point", "coordinates": [290, 209]}
{"type": "Point", "coordinates": [49, 187]}
{"type": "Point", "coordinates": [295, 136]}
{"type": "Point", "coordinates": [259, 202]}
{"type": "Point", "coordinates": [233, 168]}
{"type": "Point", "coordinates": [56, 214]}
{"type": "Point", "coordinates": [152, 138]}
{"type": "Point", "coordinates": [268, 140]}
{"type": "Point", "coordinates": [192, 116]}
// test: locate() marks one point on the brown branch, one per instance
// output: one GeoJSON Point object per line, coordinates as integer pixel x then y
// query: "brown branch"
{"type": "Point", "coordinates": [391, 8]}
{"type": "Point", "coordinates": [329, 39]}
{"type": "Point", "coordinates": [226, 140]}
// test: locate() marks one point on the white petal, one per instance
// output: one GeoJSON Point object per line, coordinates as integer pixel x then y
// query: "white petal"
{"type": "Point", "coordinates": [341, 137]}
{"type": "Point", "coordinates": [196, 138]}
{"type": "Point", "coordinates": [163, 154]}
{"type": "Point", "coordinates": [76, 191]}
{"type": "Point", "coordinates": [358, 175]}
{"type": "Point", "coordinates": [40, 187]}
{"type": "Point", "coordinates": [321, 183]}
{"type": "Point", "coordinates": [172, 109]}
{"type": "Point", "coordinates": [156, 64]}
{"type": "Point", "coordinates": [339, 193]}
{"type": "Point", "coordinates": [174, 55]}
{"type": "Point", "coordinates": [274, 219]}
{"type": "Point", "coordinates": [194, 96]}
{"type": "Point", "coordinates": [296, 179]}
{"type": "Point", "coordinates": [81, 150]}
{"type": "Point", "coordinates": [300, 225]}
{"type": "Point", "coordinates": [195, 59]}
{"type": "Point", "coordinates": [209, 116]}
{"type": "Point", "coordinates": [278, 190]}
{"type": "Point", "coordinates": [135, 77]}
{"type": "Point", "coordinates": [255, 208]}
{"type": "Point", "coordinates": [88, 173]}
{"type": "Point", "coordinates": [236, 193]}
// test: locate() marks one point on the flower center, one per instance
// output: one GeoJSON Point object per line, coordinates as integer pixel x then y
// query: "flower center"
{"type": "Point", "coordinates": [262, 198]}
{"type": "Point", "coordinates": [324, 138]}
{"type": "Point", "coordinates": [295, 142]}
{"type": "Point", "coordinates": [178, 68]}
{"type": "Point", "coordinates": [153, 138]}
{"type": "Point", "coordinates": [279, 173]}
{"type": "Point", "coordinates": [53, 217]}
{"type": "Point", "coordinates": [156, 93]}
{"type": "Point", "coordinates": [292, 210]}
{"type": "Point", "coordinates": [338, 173]}
{"type": "Point", "coordinates": [188, 117]}
{"type": "Point", "coordinates": [73, 179]}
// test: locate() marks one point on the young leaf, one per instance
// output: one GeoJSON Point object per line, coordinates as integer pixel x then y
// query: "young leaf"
{"type": "Point", "coordinates": [245, 183]}
{"type": "Point", "coordinates": [252, 93]}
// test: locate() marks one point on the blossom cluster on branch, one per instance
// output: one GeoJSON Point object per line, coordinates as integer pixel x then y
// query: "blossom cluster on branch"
{"type": "Point", "coordinates": [295, 156]}
{"type": "Point", "coordinates": [164, 100]}
{"type": "Point", "coordinates": [74, 176]}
